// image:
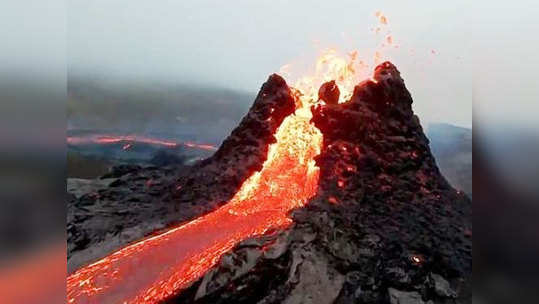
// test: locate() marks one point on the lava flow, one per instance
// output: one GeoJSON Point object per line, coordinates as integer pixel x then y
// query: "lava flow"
{"type": "Point", "coordinates": [157, 267]}
{"type": "Point", "coordinates": [129, 140]}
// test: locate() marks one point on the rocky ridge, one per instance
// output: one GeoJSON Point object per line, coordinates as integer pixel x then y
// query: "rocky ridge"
{"type": "Point", "coordinates": [139, 201]}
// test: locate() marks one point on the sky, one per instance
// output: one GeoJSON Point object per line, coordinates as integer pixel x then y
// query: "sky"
{"type": "Point", "coordinates": [238, 44]}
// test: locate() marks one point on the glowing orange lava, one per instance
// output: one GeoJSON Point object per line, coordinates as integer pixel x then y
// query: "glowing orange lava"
{"type": "Point", "coordinates": [130, 139]}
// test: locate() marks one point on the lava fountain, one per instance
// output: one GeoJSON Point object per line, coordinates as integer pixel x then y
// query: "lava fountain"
{"type": "Point", "coordinates": [156, 268]}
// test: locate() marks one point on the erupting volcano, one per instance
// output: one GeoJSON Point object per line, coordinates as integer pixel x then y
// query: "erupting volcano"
{"type": "Point", "coordinates": [331, 145]}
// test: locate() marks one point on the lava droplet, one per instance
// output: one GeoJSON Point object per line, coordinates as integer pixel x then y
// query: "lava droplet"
{"type": "Point", "coordinates": [332, 200]}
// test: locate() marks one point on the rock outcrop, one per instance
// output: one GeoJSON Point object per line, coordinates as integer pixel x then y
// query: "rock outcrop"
{"type": "Point", "coordinates": [216, 179]}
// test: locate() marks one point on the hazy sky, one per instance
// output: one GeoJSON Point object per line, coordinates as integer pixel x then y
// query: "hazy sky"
{"type": "Point", "coordinates": [237, 44]}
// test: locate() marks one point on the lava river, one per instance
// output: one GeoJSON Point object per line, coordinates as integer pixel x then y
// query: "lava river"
{"type": "Point", "coordinates": [153, 269]}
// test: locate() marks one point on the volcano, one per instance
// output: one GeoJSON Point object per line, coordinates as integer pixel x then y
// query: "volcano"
{"type": "Point", "coordinates": [306, 201]}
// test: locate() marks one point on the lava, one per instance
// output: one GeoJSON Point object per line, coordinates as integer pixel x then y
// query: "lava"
{"type": "Point", "coordinates": [157, 267]}
{"type": "Point", "coordinates": [129, 140]}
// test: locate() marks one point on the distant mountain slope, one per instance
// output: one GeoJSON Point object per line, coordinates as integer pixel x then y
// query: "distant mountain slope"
{"type": "Point", "coordinates": [197, 112]}
{"type": "Point", "coordinates": [452, 148]}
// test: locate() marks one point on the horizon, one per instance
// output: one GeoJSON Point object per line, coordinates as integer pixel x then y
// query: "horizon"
{"type": "Point", "coordinates": [238, 46]}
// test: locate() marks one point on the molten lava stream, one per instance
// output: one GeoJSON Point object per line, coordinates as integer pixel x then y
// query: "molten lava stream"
{"type": "Point", "coordinates": [157, 267]}
{"type": "Point", "coordinates": [130, 139]}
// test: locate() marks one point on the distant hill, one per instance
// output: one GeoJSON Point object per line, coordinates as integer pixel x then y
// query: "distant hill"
{"type": "Point", "coordinates": [452, 148]}
{"type": "Point", "coordinates": [189, 111]}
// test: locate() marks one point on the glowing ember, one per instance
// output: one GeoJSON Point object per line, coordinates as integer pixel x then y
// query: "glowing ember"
{"type": "Point", "coordinates": [381, 17]}
{"type": "Point", "coordinates": [199, 146]}
{"type": "Point", "coordinates": [416, 259]}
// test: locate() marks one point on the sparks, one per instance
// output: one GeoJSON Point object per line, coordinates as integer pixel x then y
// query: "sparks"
{"type": "Point", "coordinates": [416, 259]}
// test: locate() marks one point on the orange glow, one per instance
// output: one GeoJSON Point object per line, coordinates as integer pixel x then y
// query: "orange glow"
{"type": "Point", "coordinates": [417, 259]}
{"type": "Point", "coordinates": [130, 139]}
{"type": "Point", "coordinates": [346, 70]}
{"type": "Point", "coordinates": [381, 17]}
{"type": "Point", "coordinates": [200, 146]}
{"type": "Point", "coordinates": [332, 200]}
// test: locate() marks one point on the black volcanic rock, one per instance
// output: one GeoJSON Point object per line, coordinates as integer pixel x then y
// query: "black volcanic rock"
{"type": "Point", "coordinates": [329, 92]}
{"type": "Point", "coordinates": [216, 179]}
{"type": "Point", "coordinates": [385, 226]}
